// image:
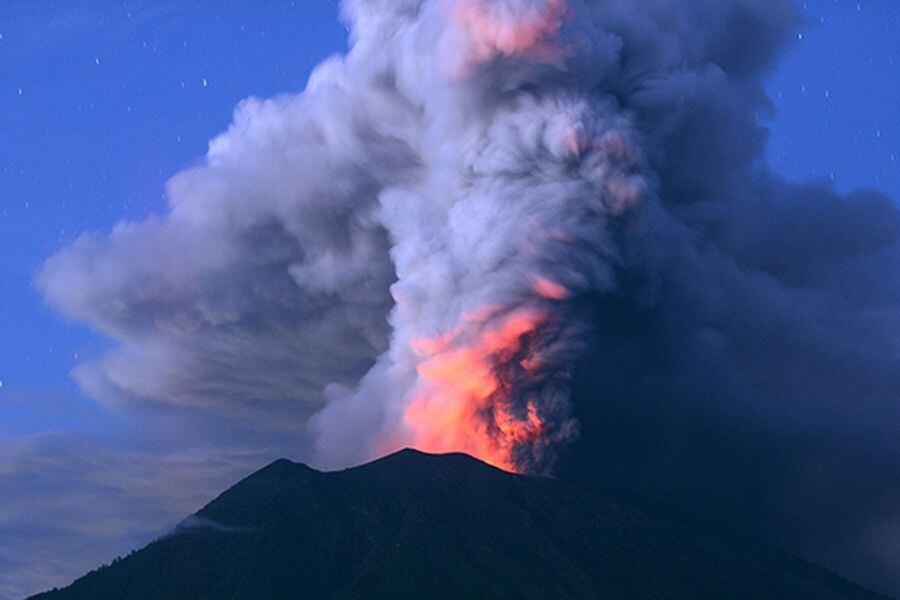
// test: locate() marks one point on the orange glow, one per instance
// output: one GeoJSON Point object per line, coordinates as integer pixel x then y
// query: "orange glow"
{"type": "Point", "coordinates": [464, 403]}
{"type": "Point", "coordinates": [550, 289]}
{"type": "Point", "coordinates": [492, 32]}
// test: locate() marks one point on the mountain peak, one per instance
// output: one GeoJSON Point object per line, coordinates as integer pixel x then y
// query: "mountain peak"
{"type": "Point", "coordinates": [412, 456]}
{"type": "Point", "coordinates": [413, 524]}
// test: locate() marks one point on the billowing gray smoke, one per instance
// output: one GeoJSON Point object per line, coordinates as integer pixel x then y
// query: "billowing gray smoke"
{"type": "Point", "coordinates": [495, 224]}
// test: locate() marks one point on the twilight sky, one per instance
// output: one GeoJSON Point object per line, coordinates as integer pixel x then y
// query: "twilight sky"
{"type": "Point", "coordinates": [101, 103]}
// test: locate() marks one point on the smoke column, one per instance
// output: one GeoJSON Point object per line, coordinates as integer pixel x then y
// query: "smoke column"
{"type": "Point", "coordinates": [525, 176]}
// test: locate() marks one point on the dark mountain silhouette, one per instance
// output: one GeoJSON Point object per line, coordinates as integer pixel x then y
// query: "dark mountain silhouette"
{"type": "Point", "coordinates": [414, 525]}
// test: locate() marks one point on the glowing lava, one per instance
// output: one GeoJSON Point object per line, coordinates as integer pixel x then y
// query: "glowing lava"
{"type": "Point", "coordinates": [465, 402]}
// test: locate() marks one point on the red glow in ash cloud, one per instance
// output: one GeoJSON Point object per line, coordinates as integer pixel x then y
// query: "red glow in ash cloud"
{"type": "Point", "coordinates": [549, 289]}
{"type": "Point", "coordinates": [496, 29]}
{"type": "Point", "coordinates": [465, 400]}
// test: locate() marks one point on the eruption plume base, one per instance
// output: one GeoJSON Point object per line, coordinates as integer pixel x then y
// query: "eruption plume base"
{"type": "Point", "coordinates": [467, 400]}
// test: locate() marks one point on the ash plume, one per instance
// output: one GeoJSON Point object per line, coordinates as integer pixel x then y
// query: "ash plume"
{"type": "Point", "coordinates": [537, 231]}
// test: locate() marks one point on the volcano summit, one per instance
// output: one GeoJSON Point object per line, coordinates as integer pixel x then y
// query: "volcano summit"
{"type": "Point", "coordinates": [415, 525]}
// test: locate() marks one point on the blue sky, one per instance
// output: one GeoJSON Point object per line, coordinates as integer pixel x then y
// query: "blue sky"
{"type": "Point", "coordinates": [102, 102]}
{"type": "Point", "coordinates": [837, 97]}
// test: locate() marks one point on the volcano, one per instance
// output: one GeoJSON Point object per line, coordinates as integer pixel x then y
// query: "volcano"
{"type": "Point", "coordinates": [416, 525]}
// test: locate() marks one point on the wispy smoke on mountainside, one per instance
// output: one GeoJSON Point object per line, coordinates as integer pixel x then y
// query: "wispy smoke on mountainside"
{"type": "Point", "coordinates": [538, 231]}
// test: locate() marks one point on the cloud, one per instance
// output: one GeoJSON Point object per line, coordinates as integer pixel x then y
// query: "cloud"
{"type": "Point", "coordinates": [243, 299]}
{"type": "Point", "coordinates": [70, 503]}
{"type": "Point", "coordinates": [492, 226]}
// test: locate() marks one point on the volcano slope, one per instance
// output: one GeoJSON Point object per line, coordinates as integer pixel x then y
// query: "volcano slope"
{"type": "Point", "coordinates": [415, 525]}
